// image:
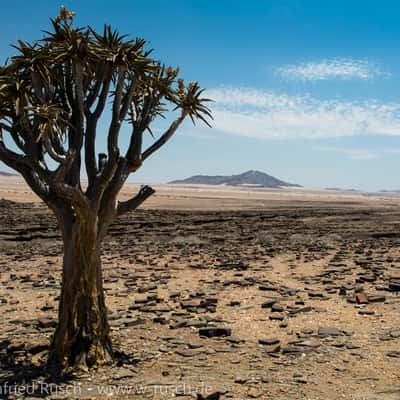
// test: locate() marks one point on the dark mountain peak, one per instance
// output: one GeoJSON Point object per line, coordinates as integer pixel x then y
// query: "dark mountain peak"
{"type": "Point", "coordinates": [252, 172]}
{"type": "Point", "coordinates": [248, 178]}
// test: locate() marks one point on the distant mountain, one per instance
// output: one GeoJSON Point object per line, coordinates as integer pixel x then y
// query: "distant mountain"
{"type": "Point", "coordinates": [249, 178]}
{"type": "Point", "coordinates": [2, 173]}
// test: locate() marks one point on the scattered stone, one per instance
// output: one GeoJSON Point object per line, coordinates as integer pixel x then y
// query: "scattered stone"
{"type": "Point", "coordinates": [376, 299]}
{"type": "Point", "coordinates": [240, 380]}
{"type": "Point", "coordinates": [212, 396]}
{"type": "Point", "coordinates": [269, 342]}
{"type": "Point", "coordinates": [394, 286]}
{"type": "Point", "coordinates": [268, 304]}
{"type": "Point", "coordinates": [395, 334]}
{"type": "Point", "coordinates": [366, 312]}
{"type": "Point", "coordinates": [292, 350]}
{"type": "Point", "coordinates": [324, 332]}
{"type": "Point", "coordinates": [147, 289]}
{"type": "Point", "coordinates": [215, 332]}
{"type": "Point", "coordinates": [273, 349]}
{"type": "Point", "coordinates": [277, 308]}
{"type": "Point", "coordinates": [132, 322]}
{"type": "Point", "coordinates": [179, 324]}
{"type": "Point", "coordinates": [277, 317]}
{"type": "Point", "coordinates": [361, 298]}
{"type": "Point", "coordinates": [230, 255]}
{"type": "Point", "coordinates": [254, 393]}
{"type": "Point", "coordinates": [190, 352]}
{"type": "Point", "coordinates": [393, 354]}
{"type": "Point", "coordinates": [267, 288]}
{"type": "Point", "coordinates": [47, 323]}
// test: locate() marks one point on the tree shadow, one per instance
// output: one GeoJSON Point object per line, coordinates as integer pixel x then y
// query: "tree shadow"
{"type": "Point", "coordinates": [21, 377]}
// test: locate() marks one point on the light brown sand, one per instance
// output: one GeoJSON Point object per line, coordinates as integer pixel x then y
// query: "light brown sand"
{"type": "Point", "coordinates": [208, 197]}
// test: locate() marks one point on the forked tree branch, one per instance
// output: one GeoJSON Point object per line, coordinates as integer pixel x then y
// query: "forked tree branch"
{"type": "Point", "coordinates": [115, 124]}
{"type": "Point", "coordinates": [26, 168]}
{"type": "Point", "coordinates": [99, 77]}
{"type": "Point", "coordinates": [164, 138]}
{"type": "Point", "coordinates": [127, 101]}
{"type": "Point", "coordinates": [92, 119]}
{"type": "Point", "coordinates": [130, 205]}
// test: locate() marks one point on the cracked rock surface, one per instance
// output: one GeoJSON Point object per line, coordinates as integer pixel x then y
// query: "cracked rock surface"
{"type": "Point", "coordinates": [293, 303]}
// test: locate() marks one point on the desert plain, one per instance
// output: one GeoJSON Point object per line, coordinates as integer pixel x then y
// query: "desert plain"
{"type": "Point", "coordinates": [218, 293]}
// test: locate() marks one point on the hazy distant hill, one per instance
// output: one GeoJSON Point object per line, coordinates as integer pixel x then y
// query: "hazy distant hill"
{"type": "Point", "coordinates": [249, 178]}
{"type": "Point", "coordinates": [2, 173]}
{"type": "Point", "coordinates": [341, 189]}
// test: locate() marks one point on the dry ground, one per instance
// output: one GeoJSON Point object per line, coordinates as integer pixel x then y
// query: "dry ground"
{"type": "Point", "coordinates": [281, 273]}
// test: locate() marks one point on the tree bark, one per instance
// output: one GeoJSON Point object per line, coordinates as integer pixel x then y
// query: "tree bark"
{"type": "Point", "coordinates": [81, 339]}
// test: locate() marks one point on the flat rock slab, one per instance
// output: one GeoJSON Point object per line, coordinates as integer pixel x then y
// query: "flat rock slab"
{"type": "Point", "coordinates": [215, 332]}
{"type": "Point", "coordinates": [328, 331]}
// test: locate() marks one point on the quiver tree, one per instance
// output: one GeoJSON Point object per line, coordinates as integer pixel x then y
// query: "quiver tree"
{"type": "Point", "coordinates": [52, 96]}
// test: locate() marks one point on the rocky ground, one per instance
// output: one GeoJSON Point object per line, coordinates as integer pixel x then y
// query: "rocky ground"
{"type": "Point", "coordinates": [291, 303]}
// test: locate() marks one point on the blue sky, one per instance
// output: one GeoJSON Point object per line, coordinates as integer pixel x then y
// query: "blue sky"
{"type": "Point", "coordinates": [308, 91]}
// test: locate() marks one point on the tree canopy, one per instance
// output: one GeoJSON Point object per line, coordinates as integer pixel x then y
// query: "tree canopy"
{"type": "Point", "coordinates": [53, 94]}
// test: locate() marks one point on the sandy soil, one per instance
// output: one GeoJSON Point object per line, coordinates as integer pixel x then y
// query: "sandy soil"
{"type": "Point", "coordinates": [208, 197]}
{"type": "Point", "coordinates": [302, 286]}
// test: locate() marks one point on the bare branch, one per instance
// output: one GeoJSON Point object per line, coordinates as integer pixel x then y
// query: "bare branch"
{"type": "Point", "coordinates": [164, 138]}
{"type": "Point", "coordinates": [51, 151]}
{"type": "Point", "coordinates": [130, 205]}
{"type": "Point", "coordinates": [11, 158]}
{"type": "Point", "coordinates": [20, 162]}
{"type": "Point", "coordinates": [65, 191]}
{"type": "Point", "coordinates": [91, 126]}
{"type": "Point", "coordinates": [29, 171]}
{"type": "Point", "coordinates": [127, 101]}
{"type": "Point", "coordinates": [5, 127]}
{"type": "Point", "coordinates": [79, 93]}
{"type": "Point", "coordinates": [69, 91]}
{"type": "Point", "coordinates": [90, 149]}
{"type": "Point", "coordinates": [134, 152]}
{"type": "Point", "coordinates": [115, 122]}
{"type": "Point", "coordinates": [100, 185]}
{"type": "Point", "coordinates": [103, 96]}
{"type": "Point", "coordinates": [114, 185]}
{"type": "Point", "coordinates": [99, 77]}
{"type": "Point", "coordinates": [17, 139]}
{"type": "Point", "coordinates": [63, 170]}
{"type": "Point", "coordinates": [37, 185]}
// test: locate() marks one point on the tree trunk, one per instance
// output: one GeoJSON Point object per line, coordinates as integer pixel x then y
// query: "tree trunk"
{"type": "Point", "coordinates": [81, 339]}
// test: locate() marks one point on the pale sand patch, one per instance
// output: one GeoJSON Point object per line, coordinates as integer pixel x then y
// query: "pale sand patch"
{"type": "Point", "coordinates": [208, 197]}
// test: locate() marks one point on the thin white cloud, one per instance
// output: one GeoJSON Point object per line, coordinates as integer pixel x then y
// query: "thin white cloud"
{"type": "Point", "coordinates": [267, 115]}
{"type": "Point", "coordinates": [360, 154]}
{"type": "Point", "coordinates": [337, 68]}
{"type": "Point", "coordinates": [192, 132]}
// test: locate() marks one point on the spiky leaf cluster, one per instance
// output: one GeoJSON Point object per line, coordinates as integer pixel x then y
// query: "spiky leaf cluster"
{"type": "Point", "coordinates": [54, 91]}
